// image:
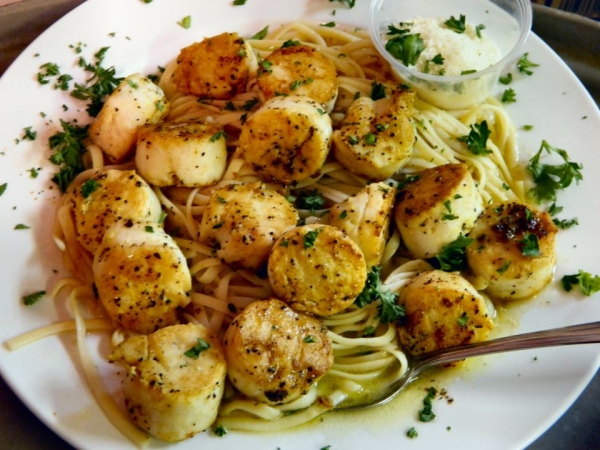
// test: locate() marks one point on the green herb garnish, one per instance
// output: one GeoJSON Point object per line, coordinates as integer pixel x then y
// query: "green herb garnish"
{"type": "Point", "coordinates": [195, 351]}
{"type": "Point", "coordinates": [30, 299]}
{"type": "Point", "coordinates": [477, 138]}
{"type": "Point", "coordinates": [551, 178]}
{"type": "Point", "coordinates": [453, 256]}
{"type": "Point", "coordinates": [456, 25]}
{"type": "Point", "coordinates": [588, 284]}
{"type": "Point", "coordinates": [524, 64]}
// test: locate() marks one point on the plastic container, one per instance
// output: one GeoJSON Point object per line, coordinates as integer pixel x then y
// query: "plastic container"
{"type": "Point", "coordinates": [507, 23]}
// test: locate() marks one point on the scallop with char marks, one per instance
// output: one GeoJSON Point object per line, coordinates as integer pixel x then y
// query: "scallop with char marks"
{"type": "Point", "coordinates": [275, 354]}
{"type": "Point", "coordinates": [287, 139]}
{"type": "Point", "coordinates": [437, 208]}
{"type": "Point", "coordinates": [218, 67]}
{"type": "Point", "coordinates": [442, 310]}
{"type": "Point", "coordinates": [513, 250]}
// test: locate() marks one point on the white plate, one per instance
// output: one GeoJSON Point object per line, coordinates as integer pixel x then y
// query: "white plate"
{"type": "Point", "coordinates": [506, 403]}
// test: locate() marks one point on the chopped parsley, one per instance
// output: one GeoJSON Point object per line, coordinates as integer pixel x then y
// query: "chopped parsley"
{"type": "Point", "coordinates": [33, 172]}
{"type": "Point", "coordinates": [449, 215]}
{"type": "Point", "coordinates": [310, 238]}
{"type": "Point", "coordinates": [149, 229]}
{"type": "Point", "coordinates": [478, 29]}
{"type": "Point", "coordinates": [350, 3]}
{"type": "Point", "coordinates": [463, 320]}
{"type": "Point", "coordinates": [3, 188]}
{"type": "Point", "coordinates": [456, 25]}
{"type": "Point", "coordinates": [101, 84]}
{"type": "Point", "coordinates": [221, 430]}
{"type": "Point", "coordinates": [377, 91]}
{"type": "Point", "coordinates": [311, 200]}
{"type": "Point", "coordinates": [239, 2]}
{"type": "Point", "coordinates": [405, 47]}
{"type": "Point", "coordinates": [426, 414]}
{"type": "Point", "coordinates": [328, 24]}
{"type": "Point", "coordinates": [588, 284]}
{"type": "Point", "coordinates": [31, 299]}
{"type": "Point", "coordinates": [388, 308]}
{"type": "Point", "coordinates": [504, 267]}
{"type": "Point", "coordinates": [29, 134]}
{"type": "Point", "coordinates": [290, 43]}
{"type": "Point", "coordinates": [370, 139]}
{"type": "Point", "coordinates": [551, 178]}
{"type": "Point", "coordinates": [530, 245]}
{"type": "Point", "coordinates": [218, 135]}
{"type": "Point", "coordinates": [47, 70]}
{"type": "Point", "coordinates": [68, 151]}
{"type": "Point", "coordinates": [186, 22]}
{"type": "Point", "coordinates": [310, 339]}
{"type": "Point", "coordinates": [22, 226]}
{"type": "Point", "coordinates": [89, 186]}
{"type": "Point", "coordinates": [524, 64]}
{"type": "Point", "coordinates": [453, 256]}
{"type": "Point", "coordinates": [509, 96]}
{"type": "Point", "coordinates": [506, 79]}
{"type": "Point", "coordinates": [195, 351]}
{"type": "Point", "coordinates": [477, 138]}
{"type": "Point", "coordinates": [412, 433]}
{"type": "Point", "coordinates": [561, 223]}
{"type": "Point", "coordinates": [261, 34]}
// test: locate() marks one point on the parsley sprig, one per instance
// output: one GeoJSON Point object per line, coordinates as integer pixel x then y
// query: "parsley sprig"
{"type": "Point", "coordinates": [551, 178]}
{"type": "Point", "coordinates": [588, 284]}
{"type": "Point", "coordinates": [453, 256]}
{"type": "Point", "coordinates": [477, 138]}
{"type": "Point", "coordinates": [404, 46]}
{"type": "Point", "coordinates": [68, 151]}
{"type": "Point", "coordinates": [101, 84]}
{"type": "Point", "coordinates": [388, 308]}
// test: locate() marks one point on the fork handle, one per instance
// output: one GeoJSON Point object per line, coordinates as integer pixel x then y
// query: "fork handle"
{"type": "Point", "coordinates": [587, 333]}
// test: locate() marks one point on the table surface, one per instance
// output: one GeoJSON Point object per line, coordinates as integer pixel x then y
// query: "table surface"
{"type": "Point", "coordinates": [578, 428]}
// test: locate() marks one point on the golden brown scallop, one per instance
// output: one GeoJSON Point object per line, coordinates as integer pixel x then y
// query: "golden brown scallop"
{"type": "Point", "coordinates": [242, 221]}
{"type": "Point", "coordinates": [110, 196]}
{"type": "Point", "coordinates": [513, 250]}
{"type": "Point", "coordinates": [442, 310]}
{"type": "Point", "coordinates": [299, 70]}
{"type": "Point", "coordinates": [275, 354]}
{"type": "Point", "coordinates": [437, 208]}
{"type": "Point", "coordinates": [135, 102]}
{"type": "Point", "coordinates": [317, 269]}
{"type": "Point", "coordinates": [376, 138]}
{"type": "Point", "coordinates": [141, 276]}
{"type": "Point", "coordinates": [218, 67]}
{"type": "Point", "coordinates": [174, 380]}
{"type": "Point", "coordinates": [365, 218]}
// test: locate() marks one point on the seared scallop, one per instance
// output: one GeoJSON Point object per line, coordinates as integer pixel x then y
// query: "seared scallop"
{"type": "Point", "coordinates": [300, 70]}
{"type": "Point", "coordinates": [317, 269]}
{"type": "Point", "coordinates": [365, 218]}
{"type": "Point", "coordinates": [181, 154]}
{"type": "Point", "coordinates": [442, 310]}
{"type": "Point", "coordinates": [110, 196]}
{"type": "Point", "coordinates": [275, 354]}
{"type": "Point", "coordinates": [141, 276]}
{"type": "Point", "coordinates": [287, 139]}
{"type": "Point", "coordinates": [242, 221]}
{"type": "Point", "coordinates": [513, 250]}
{"type": "Point", "coordinates": [218, 67]}
{"type": "Point", "coordinates": [135, 102]}
{"type": "Point", "coordinates": [434, 210]}
{"type": "Point", "coordinates": [376, 138]}
{"type": "Point", "coordinates": [174, 380]}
